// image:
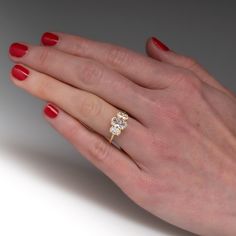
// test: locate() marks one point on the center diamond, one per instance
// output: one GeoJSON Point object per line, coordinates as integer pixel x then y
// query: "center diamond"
{"type": "Point", "coordinates": [122, 124]}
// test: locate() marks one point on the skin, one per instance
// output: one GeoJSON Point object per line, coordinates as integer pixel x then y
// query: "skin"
{"type": "Point", "coordinates": [177, 157]}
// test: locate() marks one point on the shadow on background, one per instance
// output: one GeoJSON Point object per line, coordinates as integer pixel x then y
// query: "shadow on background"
{"type": "Point", "coordinates": [74, 176]}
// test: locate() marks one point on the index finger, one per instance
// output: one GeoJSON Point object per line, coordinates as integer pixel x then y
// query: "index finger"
{"type": "Point", "coordinates": [139, 68]}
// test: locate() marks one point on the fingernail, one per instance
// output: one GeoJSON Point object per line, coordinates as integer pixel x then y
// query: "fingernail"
{"type": "Point", "coordinates": [18, 50]}
{"type": "Point", "coordinates": [159, 44]}
{"type": "Point", "coordinates": [19, 72]}
{"type": "Point", "coordinates": [49, 39]}
{"type": "Point", "coordinates": [50, 111]}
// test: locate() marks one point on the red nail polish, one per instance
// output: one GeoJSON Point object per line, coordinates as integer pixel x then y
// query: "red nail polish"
{"type": "Point", "coordinates": [49, 39]}
{"type": "Point", "coordinates": [159, 44]}
{"type": "Point", "coordinates": [18, 50]}
{"type": "Point", "coordinates": [19, 72]}
{"type": "Point", "coordinates": [50, 111]}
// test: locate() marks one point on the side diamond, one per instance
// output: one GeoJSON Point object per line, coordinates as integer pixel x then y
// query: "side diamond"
{"type": "Point", "coordinates": [122, 115]}
{"type": "Point", "coordinates": [115, 130]}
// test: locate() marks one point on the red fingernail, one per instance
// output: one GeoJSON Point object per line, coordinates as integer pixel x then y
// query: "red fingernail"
{"type": "Point", "coordinates": [18, 50]}
{"type": "Point", "coordinates": [19, 72]}
{"type": "Point", "coordinates": [49, 39]}
{"type": "Point", "coordinates": [159, 44]}
{"type": "Point", "coordinates": [50, 111]}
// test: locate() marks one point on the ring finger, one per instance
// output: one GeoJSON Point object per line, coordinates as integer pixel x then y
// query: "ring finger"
{"type": "Point", "coordinates": [88, 108]}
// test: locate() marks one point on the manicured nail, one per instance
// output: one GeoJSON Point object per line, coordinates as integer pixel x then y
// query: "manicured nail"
{"type": "Point", "coordinates": [159, 44]}
{"type": "Point", "coordinates": [18, 50]}
{"type": "Point", "coordinates": [19, 72]}
{"type": "Point", "coordinates": [50, 111]}
{"type": "Point", "coordinates": [49, 39]}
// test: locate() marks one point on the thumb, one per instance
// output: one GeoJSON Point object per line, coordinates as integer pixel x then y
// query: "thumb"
{"type": "Point", "coordinates": [159, 51]}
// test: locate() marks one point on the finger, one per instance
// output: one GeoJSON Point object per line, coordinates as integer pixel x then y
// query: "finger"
{"type": "Point", "coordinates": [88, 108]}
{"type": "Point", "coordinates": [112, 162]}
{"type": "Point", "coordinates": [157, 50]}
{"type": "Point", "coordinates": [85, 74]}
{"type": "Point", "coordinates": [137, 67]}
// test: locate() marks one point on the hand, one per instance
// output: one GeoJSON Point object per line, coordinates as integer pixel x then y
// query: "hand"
{"type": "Point", "coordinates": [176, 158]}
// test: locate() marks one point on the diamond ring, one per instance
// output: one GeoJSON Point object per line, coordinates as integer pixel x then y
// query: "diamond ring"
{"type": "Point", "coordinates": [118, 123]}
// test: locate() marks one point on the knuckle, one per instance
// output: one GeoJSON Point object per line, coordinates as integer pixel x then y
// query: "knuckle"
{"type": "Point", "coordinates": [190, 63]}
{"type": "Point", "coordinates": [118, 57]}
{"type": "Point", "coordinates": [191, 85]}
{"type": "Point", "coordinates": [173, 112]}
{"type": "Point", "coordinates": [71, 131]}
{"type": "Point", "coordinates": [91, 73]}
{"type": "Point", "coordinates": [188, 84]}
{"type": "Point", "coordinates": [156, 106]}
{"type": "Point", "coordinates": [169, 110]}
{"type": "Point", "coordinates": [43, 58]}
{"type": "Point", "coordinates": [81, 46]}
{"type": "Point", "coordinates": [90, 107]}
{"type": "Point", "coordinates": [100, 150]}
{"type": "Point", "coordinates": [152, 98]}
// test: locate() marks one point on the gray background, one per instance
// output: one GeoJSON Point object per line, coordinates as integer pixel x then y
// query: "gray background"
{"type": "Point", "coordinates": [203, 29]}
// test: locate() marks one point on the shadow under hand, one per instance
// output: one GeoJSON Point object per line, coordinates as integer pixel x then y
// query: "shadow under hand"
{"type": "Point", "coordinates": [75, 176]}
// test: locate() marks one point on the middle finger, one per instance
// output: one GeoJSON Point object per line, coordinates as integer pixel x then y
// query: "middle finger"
{"type": "Point", "coordinates": [85, 74]}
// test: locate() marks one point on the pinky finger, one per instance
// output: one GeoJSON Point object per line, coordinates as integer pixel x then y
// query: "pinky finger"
{"type": "Point", "coordinates": [111, 161]}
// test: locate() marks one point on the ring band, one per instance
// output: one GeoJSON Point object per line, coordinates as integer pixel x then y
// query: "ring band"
{"type": "Point", "coordinates": [118, 123]}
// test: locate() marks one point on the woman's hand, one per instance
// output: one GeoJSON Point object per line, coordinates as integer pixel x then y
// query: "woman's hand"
{"type": "Point", "coordinates": [178, 154]}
